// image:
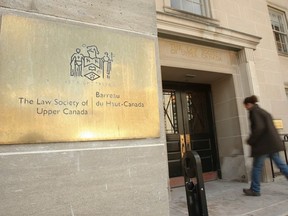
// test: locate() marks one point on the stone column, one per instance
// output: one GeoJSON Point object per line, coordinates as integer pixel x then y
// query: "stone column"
{"type": "Point", "coordinates": [249, 76]}
{"type": "Point", "coordinates": [250, 87]}
{"type": "Point", "coordinates": [100, 177]}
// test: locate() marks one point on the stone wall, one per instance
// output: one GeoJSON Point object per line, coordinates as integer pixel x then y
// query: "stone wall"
{"type": "Point", "coordinates": [119, 14]}
{"type": "Point", "coordinates": [118, 177]}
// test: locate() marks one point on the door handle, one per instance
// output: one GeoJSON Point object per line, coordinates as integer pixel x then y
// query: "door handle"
{"type": "Point", "coordinates": [188, 142]}
{"type": "Point", "coordinates": [182, 145]}
{"type": "Point", "coordinates": [185, 144]}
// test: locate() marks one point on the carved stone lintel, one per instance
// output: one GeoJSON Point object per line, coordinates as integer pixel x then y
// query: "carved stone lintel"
{"type": "Point", "coordinates": [246, 55]}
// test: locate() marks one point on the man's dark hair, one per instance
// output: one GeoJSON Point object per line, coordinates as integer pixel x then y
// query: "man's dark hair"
{"type": "Point", "coordinates": [252, 99]}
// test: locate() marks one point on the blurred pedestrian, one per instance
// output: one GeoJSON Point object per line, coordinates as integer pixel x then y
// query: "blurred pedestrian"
{"type": "Point", "coordinates": [264, 141]}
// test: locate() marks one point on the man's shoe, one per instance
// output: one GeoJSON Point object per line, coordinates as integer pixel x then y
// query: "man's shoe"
{"type": "Point", "coordinates": [249, 192]}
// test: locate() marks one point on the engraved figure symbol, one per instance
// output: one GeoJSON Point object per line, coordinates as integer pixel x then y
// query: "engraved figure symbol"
{"type": "Point", "coordinates": [91, 66]}
{"type": "Point", "coordinates": [107, 64]}
{"type": "Point", "coordinates": [76, 63]}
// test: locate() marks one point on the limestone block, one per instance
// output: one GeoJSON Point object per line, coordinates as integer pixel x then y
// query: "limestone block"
{"type": "Point", "coordinates": [138, 16]}
{"type": "Point", "coordinates": [233, 168]}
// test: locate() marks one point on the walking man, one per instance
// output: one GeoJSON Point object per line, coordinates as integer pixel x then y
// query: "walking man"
{"type": "Point", "coordinates": [264, 141]}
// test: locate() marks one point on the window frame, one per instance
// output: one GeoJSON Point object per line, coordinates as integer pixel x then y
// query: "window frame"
{"type": "Point", "coordinates": [205, 8]}
{"type": "Point", "coordinates": [280, 35]}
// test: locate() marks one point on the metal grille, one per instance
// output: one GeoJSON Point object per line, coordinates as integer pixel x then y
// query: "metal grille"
{"type": "Point", "coordinates": [170, 115]}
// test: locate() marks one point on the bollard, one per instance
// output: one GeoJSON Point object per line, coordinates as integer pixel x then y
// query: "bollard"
{"type": "Point", "coordinates": [195, 192]}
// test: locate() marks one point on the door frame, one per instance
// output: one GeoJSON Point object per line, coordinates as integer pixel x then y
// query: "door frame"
{"type": "Point", "coordinates": [180, 88]}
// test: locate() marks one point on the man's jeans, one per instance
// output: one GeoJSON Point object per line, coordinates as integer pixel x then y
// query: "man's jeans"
{"type": "Point", "coordinates": [258, 165]}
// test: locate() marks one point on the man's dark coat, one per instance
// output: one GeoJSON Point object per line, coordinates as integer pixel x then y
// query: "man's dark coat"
{"type": "Point", "coordinates": [264, 138]}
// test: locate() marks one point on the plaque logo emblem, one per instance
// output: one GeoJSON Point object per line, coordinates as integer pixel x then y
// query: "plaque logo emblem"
{"type": "Point", "coordinates": [87, 63]}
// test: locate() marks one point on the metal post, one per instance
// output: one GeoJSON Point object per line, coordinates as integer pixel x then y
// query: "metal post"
{"type": "Point", "coordinates": [285, 152]}
{"type": "Point", "coordinates": [272, 168]}
{"type": "Point", "coordinates": [195, 191]}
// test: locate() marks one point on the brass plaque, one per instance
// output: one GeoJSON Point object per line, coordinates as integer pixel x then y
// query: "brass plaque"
{"type": "Point", "coordinates": [67, 82]}
{"type": "Point", "coordinates": [278, 123]}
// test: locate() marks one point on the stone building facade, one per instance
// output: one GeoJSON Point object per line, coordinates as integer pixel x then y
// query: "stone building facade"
{"type": "Point", "coordinates": [206, 57]}
{"type": "Point", "coordinates": [230, 46]}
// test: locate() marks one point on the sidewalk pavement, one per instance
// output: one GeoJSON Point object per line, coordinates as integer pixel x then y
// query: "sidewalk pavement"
{"type": "Point", "coordinates": [225, 198]}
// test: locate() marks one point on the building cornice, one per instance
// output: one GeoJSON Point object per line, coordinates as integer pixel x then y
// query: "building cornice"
{"type": "Point", "coordinates": [204, 31]}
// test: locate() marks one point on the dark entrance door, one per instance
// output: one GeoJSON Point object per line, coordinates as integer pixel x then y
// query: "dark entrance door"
{"type": "Point", "coordinates": [189, 116]}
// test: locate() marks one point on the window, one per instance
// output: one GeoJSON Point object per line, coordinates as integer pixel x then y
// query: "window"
{"type": "Point", "coordinates": [279, 26]}
{"type": "Point", "coordinates": [199, 7]}
{"type": "Point", "coordinates": [170, 112]}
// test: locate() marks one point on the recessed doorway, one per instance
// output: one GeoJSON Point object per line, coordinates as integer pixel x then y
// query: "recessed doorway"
{"type": "Point", "coordinates": [188, 111]}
